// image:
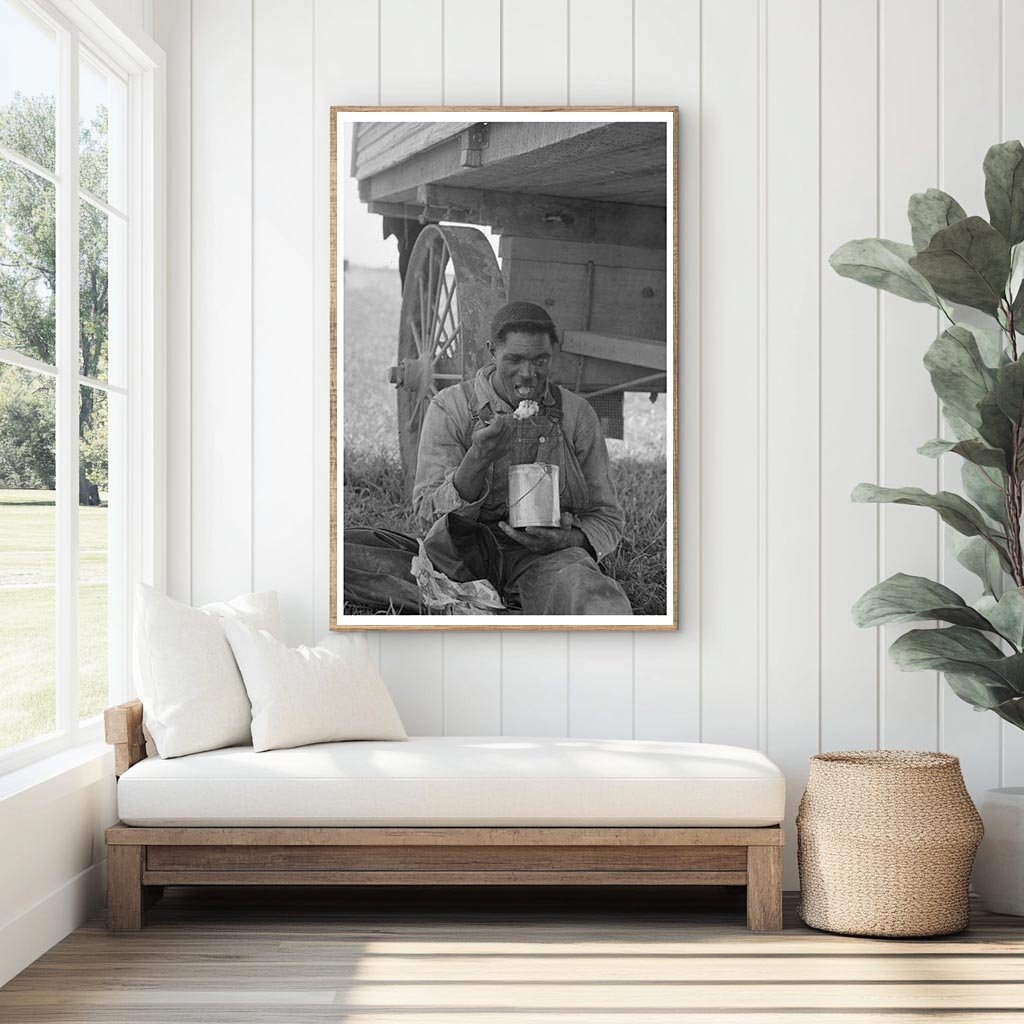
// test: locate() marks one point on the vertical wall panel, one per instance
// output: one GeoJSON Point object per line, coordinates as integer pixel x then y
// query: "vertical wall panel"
{"type": "Point", "coordinates": [1012, 127]}
{"type": "Point", "coordinates": [221, 371]}
{"type": "Point", "coordinates": [849, 372]}
{"type": "Point", "coordinates": [600, 52]}
{"type": "Point", "coordinates": [472, 52]}
{"type": "Point", "coordinates": [969, 124]}
{"type": "Point", "coordinates": [909, 414]}
{"type": "Point", "coordinates": [283, 309]}
{"type": "Point", "coordinates": [534, 695]}
{"type": "Point", "coordinates": [601, 685]}
{"type": "Point", "coordinates": [414, 673]}
{"type": "Point", "coordinates": [411, 68]}
{"type": "Point", "coordinates": [472, 684]}
{"type": "Point", "coordinates": [472, 74]}
{"type": "Point", "coordinates": [344, 53]}
{"type": "Point", "coordinates": [666, 670]}
{"type": "Point", "coordinates": [729, 359]}
{"type": "Point", "coordinates": [534, 57]}
{"type": "Point", "coordinates": [601, 666]}
{"type": "Point", "coordinates": [792, 382]}
{"type": "Point", "coordinates": [173, 30]}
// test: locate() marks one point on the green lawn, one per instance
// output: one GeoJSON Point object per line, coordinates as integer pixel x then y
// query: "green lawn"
{"type": "Point", "coordinates": [28, 525]}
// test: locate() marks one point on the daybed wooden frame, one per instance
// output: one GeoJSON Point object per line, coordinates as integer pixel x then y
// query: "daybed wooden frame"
{"type": "Point", "coordinates": [142, 860]}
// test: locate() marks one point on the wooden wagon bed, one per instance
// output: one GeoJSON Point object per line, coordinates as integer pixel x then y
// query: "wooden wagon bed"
{"type": "Point", "coordinates": [607, 162]}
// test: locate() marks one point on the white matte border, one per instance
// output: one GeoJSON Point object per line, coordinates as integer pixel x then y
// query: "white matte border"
{"type": "Point", "coordinates": [667, 621]}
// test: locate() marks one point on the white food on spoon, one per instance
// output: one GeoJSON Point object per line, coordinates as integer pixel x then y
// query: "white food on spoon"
{"type": "Point", "coordinates": [524, 410]}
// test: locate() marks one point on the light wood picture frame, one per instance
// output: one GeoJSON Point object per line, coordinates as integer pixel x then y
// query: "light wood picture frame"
{"type": "Point", "coordinates": [444, 222]}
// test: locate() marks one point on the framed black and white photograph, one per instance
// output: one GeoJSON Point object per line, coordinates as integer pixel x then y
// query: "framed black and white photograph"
{"type": "Point", "coordinates": [504, 360]}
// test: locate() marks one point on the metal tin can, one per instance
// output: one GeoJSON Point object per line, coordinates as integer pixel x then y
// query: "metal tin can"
{"type": "Point", "coordinates": [533, 495]}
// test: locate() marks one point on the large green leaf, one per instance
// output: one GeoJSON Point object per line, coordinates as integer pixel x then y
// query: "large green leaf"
{"type": "Point", "coordinates": [954, 510]}
{"type": "Point", "coordinates": [984, 695]}
{"type": "Point", "coordinates": [883, 264]}
{"type": "Point", "coordinates": [1004, 189]}
{"type": "Point", "coordinates": [964, 652]}
{"type": "Point", "coordinates": [1006, 614]}
{"type": "Point", "coordinates": [976, 555]}
{"type": "Point", "coordinates": [1009, 390]}
{"type": "Point", "coordinates": [962, 430]}
{"type": "Point", "coordinates": [986, 488]}
{"type": "Point", "coordinates": [990, 345]}
{"type": "Point", "coordinates": [1011, 711]}
{"type": "Point", "coordinates": [967, 263]}
{"type": "Point", "coordinates": [958, 372]}
{"type": "Point", "coordinates": [903, 598]}
{"type": "Point", "coordinates": [973, 451]}
{"type": "Point", "coordinates": [932, 211]}
{"type": "Point", "coordinates": [996, 427]}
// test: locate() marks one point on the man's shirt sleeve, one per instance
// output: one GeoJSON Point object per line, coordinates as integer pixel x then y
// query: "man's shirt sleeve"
{"type": "Point", "coordinates": [441, 452]}
{"type": "Point", "coordinates": [603, 521]}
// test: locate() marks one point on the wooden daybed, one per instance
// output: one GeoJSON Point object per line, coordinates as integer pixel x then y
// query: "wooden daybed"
{"type": "Point", "coordinates": [144, 858]}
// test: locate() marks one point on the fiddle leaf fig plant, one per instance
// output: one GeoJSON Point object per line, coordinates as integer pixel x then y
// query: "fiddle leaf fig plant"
{"type": "Point", "coordinates": [978, 375]}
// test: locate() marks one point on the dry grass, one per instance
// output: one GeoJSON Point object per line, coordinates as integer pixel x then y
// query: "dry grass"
{"type": "Point", "coordinates": [372, 471]}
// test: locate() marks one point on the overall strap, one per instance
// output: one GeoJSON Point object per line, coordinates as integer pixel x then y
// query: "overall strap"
{"type": "Point", "coordinates": [554, 410]}
{"type": "Point", "coordinates": [476, 414]}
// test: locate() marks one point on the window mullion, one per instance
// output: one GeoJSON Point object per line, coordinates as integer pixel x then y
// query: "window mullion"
{"type": "Point", "coordinates": [67, 386]}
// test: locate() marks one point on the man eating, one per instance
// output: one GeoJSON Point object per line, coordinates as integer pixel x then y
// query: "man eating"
{"type": "Point", "coordinates": [470, 438]}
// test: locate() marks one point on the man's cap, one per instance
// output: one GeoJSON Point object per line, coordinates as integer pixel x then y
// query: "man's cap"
{"type": "Point", "coordinates": [521, 312]}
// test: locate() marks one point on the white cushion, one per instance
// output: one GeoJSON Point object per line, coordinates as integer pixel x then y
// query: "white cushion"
{"type": "Point", "coordinates": [309, 694]}
{"type": "Point", "coordinates": [457, 780]}
{"type": "Point", "coordinates": [191, 691]}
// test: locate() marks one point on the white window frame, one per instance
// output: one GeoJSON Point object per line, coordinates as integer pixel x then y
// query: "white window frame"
{"type": "Point", "coordinates": [141, 64]}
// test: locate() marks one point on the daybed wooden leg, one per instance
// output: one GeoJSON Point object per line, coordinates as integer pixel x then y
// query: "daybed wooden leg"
{"type": "Point", "coordinates": [124, 888]}
{"type": "Point", "coordinates": [764, 888]}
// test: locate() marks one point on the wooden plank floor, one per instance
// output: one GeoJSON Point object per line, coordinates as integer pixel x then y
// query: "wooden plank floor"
{"type": "Point", "coordinates": [219, 956]}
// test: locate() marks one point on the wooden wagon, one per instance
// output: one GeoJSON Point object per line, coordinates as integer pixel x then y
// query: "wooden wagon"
{"type": "Point", "coordinates": [580, 210]}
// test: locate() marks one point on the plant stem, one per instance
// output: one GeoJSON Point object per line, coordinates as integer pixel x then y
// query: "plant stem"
{"type": "Point", "coordinates": [1013, 482]}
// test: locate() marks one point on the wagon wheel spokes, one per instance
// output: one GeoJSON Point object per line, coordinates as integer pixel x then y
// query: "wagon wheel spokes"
{"type": "Point", "coordinates": [446, 313]}
{"type": "Point", "coordinates": [447, 349]}
{"type": "Point", "coordinates": [414, 327]}
{"type": "Point", "coordinates": [432, 283]}
{"type": "Point", "coordinates": [452, 287]}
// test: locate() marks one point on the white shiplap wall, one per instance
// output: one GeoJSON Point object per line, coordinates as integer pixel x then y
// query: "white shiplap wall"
{"type": "Point", "coordinates": [804, 123]}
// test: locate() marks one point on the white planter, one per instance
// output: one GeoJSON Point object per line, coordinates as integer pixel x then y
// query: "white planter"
{"type": "Point", "coordinates": [999, 866]}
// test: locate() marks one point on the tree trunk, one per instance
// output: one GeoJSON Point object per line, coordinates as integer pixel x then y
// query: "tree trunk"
{"type": "Point", "coordinates": [88, 492]}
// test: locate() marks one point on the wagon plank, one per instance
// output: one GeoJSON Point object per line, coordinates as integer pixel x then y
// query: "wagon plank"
{"type": "Point", "coordinates": [395, 141]}
{"type": "Point", "coordinates": [552, 217]}
{"type": "Point", "coordinates": [600, 254]}
{"type": "Point", "coordinates": [626, 161]}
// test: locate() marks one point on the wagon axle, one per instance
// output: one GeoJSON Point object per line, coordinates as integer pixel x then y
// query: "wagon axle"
{"type": "Point", "coordinates": [417, 375]}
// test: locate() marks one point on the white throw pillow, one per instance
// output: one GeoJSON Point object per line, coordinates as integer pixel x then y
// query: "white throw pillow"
{"type": "Point", "coordinates": [309, 694]}
{"type": "Point", "coordinates": [192, 693]}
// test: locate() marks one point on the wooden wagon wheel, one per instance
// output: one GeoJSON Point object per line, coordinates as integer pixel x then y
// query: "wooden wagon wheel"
{"type": "Point", "coordinates": [453, 287]}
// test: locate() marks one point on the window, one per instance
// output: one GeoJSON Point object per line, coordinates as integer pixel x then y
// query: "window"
{"type": "Point", "coordinates": [76, 352]}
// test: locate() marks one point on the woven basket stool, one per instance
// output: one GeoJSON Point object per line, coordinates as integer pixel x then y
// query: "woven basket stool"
{"type": "Point", "coordinates": [885, 843]}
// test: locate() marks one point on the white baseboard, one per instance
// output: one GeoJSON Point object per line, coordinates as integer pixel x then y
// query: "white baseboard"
{"type": "Point", "coordinates": [28, 936]}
